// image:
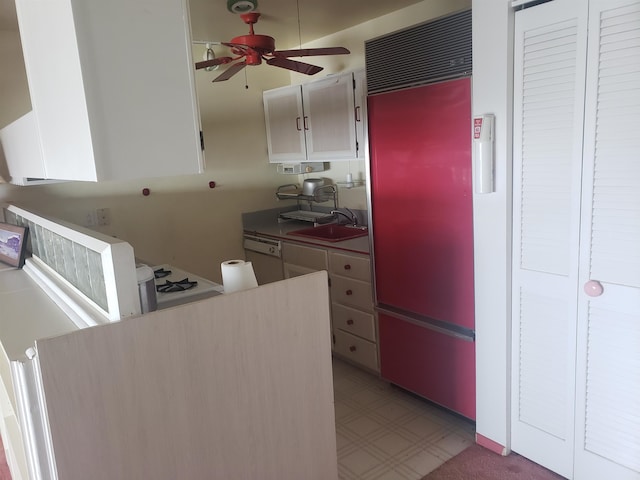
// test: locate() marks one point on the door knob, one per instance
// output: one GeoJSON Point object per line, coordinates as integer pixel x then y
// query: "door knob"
{"type": "Point", "coordinates": [593, 288]}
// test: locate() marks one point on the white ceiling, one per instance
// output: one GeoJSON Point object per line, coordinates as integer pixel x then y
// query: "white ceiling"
{"type": "Point", "coordinates": [210, 19]}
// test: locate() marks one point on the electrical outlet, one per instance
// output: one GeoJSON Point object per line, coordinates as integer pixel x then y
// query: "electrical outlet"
{"type": "Point", "coordinates": [104, 216]}
{"type": "Point", "coordinates": [91, 219]}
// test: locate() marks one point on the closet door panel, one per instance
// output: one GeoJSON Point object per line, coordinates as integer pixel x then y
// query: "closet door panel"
{"type": "Point", "coordinates": [548, 115]}
{"type": "Point", "coordinates": [608, 382]}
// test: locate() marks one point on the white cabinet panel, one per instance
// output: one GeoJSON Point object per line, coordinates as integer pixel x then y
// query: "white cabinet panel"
{"type": "Point", "coordinates": [330, 118]}
{"type": "Point", "coordinates": [20, 143]}
{"type": "Point", "coordinates": [284, 119]}
{"type": "Point", "coordinates": [576, 272]}
{"type": "Point", "coordinates": [546, 208]}
{"type": "Point", "coordinates": [360, 99]}
{"type": "Point", "coordinates": [608, 387]}
{"type": "Point", "coordinates": [112, 88]}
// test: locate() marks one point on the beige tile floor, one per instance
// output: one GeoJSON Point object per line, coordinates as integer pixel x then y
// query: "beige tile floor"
{"type": "Point", "coordinates": [385, 433]}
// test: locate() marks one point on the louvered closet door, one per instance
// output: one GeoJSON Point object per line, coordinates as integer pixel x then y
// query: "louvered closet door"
{"type": "Point", "coordinates": [550, 47]}
{"type": "Point", "coordinates": [608, 382]}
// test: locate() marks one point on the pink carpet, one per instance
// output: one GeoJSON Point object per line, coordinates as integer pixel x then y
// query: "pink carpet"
{"type": "Point", "coordinates": [4, 468]}
{"type": "Point", "coordinates": [478, 463]}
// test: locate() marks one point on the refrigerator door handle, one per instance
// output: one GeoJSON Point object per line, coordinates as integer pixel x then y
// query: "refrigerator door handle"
{"type": "Point", "coordinates": [430, 323]}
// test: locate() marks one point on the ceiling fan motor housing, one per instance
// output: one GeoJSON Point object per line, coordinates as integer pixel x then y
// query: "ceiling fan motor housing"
{"type": "Point", "coordinates": [262, 43]}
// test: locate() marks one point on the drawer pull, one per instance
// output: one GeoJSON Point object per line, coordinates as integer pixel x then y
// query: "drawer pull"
{"type": "Point", "coordinates": [349, 292]}
{"type": "Point", "coordinates": [347, 267]}
{"type": "Point", "coordinates": [352, 348]}
{"type": "Point", "coordinates": [350, 321]}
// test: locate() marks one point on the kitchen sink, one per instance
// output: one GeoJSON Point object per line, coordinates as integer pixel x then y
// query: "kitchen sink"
{"type": "Point", "coordinates": [332, 232]}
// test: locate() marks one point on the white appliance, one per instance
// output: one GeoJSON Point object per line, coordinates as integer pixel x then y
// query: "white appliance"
{"type": "Point", "coordinates": [265, 254]}
{"type": "Point", "coordinates": [176, 287]}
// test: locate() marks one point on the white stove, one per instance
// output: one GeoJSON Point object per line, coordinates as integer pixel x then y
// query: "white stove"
{"type": "Point", "coordinates": [182, 287]}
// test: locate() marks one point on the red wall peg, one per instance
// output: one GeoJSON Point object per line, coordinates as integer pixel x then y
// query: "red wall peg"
{"type": "Point", "coordinates": [146, 192]}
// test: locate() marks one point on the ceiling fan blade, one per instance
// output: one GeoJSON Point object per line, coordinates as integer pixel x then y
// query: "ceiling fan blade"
{"type": "Point", "coordinates": [294, 65]}
{"type": "Point", "coordinates": [230, 72]}
{"type": "Point", "coordinates": [310, 52]}
{"type": "Point", "coordinates": [212, 63]}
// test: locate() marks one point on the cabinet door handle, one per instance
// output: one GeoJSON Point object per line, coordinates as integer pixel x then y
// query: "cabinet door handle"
{"type": "Point", "coordinates": [358, 113]}
{"type": "Point", "coordinates": [352, 348]}
{"type": "Point", "coordinates": [305, 122]}
{"type": "Point", "coordinates": [349, 292]}
{"type": "Point", "coordinates": [347, 267]}
{"type": "Point", "coordinates": [350, 322]}
{"type": "Point", "coordinates": [298, 124]}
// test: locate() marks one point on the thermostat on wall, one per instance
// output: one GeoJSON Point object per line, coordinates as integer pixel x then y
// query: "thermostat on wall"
{"type": "Point", "coordinates": [299, 168]}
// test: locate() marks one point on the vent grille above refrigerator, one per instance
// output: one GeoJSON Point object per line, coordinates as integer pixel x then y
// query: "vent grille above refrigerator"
{"type": "Point", "coordinates": [433, 51]}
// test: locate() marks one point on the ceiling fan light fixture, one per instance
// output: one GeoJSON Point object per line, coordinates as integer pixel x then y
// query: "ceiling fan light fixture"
{"type": "Point", "coordinates": [209, 55]}
{"type": "Point", "coordinates": [241, 6]}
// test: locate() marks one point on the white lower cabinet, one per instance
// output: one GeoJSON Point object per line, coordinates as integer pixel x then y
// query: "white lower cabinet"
{"type": "Point", "coordinates": [353, 321]}
{"type": "Point", "coordinates": [353, 318]}
{"type": "Point", "coordinates": [299, 259]}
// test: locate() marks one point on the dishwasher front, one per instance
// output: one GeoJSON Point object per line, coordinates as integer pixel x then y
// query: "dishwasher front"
{"type": "Point", "coordinates": [265, 254]}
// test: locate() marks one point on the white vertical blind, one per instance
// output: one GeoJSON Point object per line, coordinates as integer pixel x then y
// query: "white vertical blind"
{"type": "Point", "coordinates": [615, 256]}
{"type": "Point", "coordinates": [550, 45]}
{"type": "Point", "coordinates": [548, 113]}
{"type": "Point", "coordinates": [608, 385]}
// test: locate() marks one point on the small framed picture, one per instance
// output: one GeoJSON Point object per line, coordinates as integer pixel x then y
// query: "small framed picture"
{"type": "Point", "coordinates": [13, 244]}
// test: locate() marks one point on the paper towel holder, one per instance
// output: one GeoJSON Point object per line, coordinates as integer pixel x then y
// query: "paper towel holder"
{"type": "Point", "coordinates": [483, 153]}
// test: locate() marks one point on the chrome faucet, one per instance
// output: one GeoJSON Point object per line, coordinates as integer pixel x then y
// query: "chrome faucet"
{"type": "Point", "coordinates": [353, 219]}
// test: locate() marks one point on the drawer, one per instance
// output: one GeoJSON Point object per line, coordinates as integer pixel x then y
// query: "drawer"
{"type": "Point", "coordinates": [354, 321]}
{"type": "Point", "coordinates": [354, 293]}
{"type": "Point", "coordinates": [350, 266]}
{"type": "Point", "coordinates": [356, 349]}
{"type": "Point", "coordinates": [309, 257]}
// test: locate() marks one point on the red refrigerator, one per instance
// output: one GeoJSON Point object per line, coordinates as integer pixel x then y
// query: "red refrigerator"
{"type": "Point", "coordinates": [422, 224]}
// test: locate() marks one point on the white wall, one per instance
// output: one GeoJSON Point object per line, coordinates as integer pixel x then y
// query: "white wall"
{"type": "Point", "coordinates": [492, 93]}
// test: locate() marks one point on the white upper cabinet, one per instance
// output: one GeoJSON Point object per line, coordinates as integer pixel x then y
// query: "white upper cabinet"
{"type": "Point", "coordinates": [20, 143]}
{"type": "Point", "coordinates": [360, 112]}
{"type": "Point", "coordinates": [313, 122]}
{"type": "Point", "coordinates": [284, 119]}
{"type": "Point", "coordinates": [112, 88]}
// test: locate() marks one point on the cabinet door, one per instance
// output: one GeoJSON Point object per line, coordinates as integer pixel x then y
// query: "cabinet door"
{"type": "Point", "coordinates": [360, 99]}
{"type": "Point", "coordinates": [608, 359]}
{"type": "Point", "coordinates": [309, 257]}
{"type": "Point", "coordinates": [329, 118]}
{"type": "Point", "coordinates": [285, 124]}
{"type": "Point", "coordinates": [112, 87]}
{"type": "Point", "coordinates": [550, 46]}
{"type": "Point", "coordinates": [21, 145]}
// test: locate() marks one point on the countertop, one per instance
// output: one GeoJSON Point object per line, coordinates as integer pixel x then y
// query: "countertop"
{"type": "Point", "coordinates": [266, 223]}
{"type": "Point", "coordinates": [28, 314]}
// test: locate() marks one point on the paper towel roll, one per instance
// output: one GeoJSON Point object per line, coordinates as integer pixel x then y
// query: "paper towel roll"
{"type": "Point", "coordinates": [237, 275]}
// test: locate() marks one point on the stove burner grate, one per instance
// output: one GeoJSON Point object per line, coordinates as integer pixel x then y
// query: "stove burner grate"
{"type": "Point", "coordinates": [179, 286]}
{"type": "Point", "coordinates": [161, 273]}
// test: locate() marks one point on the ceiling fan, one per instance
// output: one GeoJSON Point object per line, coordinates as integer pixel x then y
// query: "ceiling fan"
{"type": "Point", "coordinates": [253, 48]}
